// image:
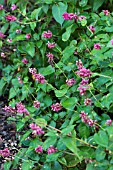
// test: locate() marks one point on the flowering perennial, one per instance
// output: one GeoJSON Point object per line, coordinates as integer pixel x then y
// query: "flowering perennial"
{"type": "Point", "coordinates": [25, 61]}
{"type": "Point", "coordinates": [9, 109]}
{"type": "Point", "coordinates": [37, 130]}
{"type": "Point", "coordinates": [108, 122]}
{"type": "Point", "coordinates": [97, 46]}
{"type": "Point", "coordinates": [92, 28]}
{"type": "Point", "coordinates": [51, 45]}
{"type": "Point", "coordinates": [47, 34]}
{"type": "Point", "coordinates": [39, 149]}
{"type": "Point", "coordinates": [38, 77]}
{"type": "Point", "coordinates": [13, 7]}
{"type": "Point", "coordinates": [56, 107]}
{"type": "Point", "coordinates": [50, 57]}
{"type": "Point", "coordinates": [5, 152]}
{"type": "Point", "coordinates": [69, 16]}
{"type": "Point", "coordinates": [36, 104]}
{"type": "Point", "coordinates": [86, 119]}
{"type": "Point", "coordinates": [10, 18]}
{"type": "Point", "coordinates": [106, 12]}
{"type": "Point", "coordinates": [2, 35]}
{"type": "Point", "coordinates": [70, 82]}
{"type": "Point", "coordinates": [51, 149]}
{"type": "Point", "coordinates": [83, 72]}
{"type": "Point", "coordinates": [87, 101]}
{"type": "Point", "coordinates": [21, 108]}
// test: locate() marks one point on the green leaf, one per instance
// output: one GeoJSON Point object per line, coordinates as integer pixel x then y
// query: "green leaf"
{"type": "Point", "coordinates": [12, 93]}
{"type": "Point", "coordinates": [70, 142]}
{"type": "Point", "coordinates": [69, 103]}
{"type": "Point", "coordinates": [83, 3]}
{"type": "Point", "coordinates": [60, 93]}
{"type": "Point", "coordinates": [19, 38]}
{"type": "Point", "coordinates": [107, 100]}
{"type": "Point", "coordinates": [41, 122]}
{"type": "Point", "coordinates": [7, 165]}
{"type": "Point", "coordinates": [109, 45]}
{"type": "Point", "coordinates": [47, 70]}
{"type": "Point", "coordinates": [19, 125]}
{"type": "Point", "coordinates": [0, 43]}
{"type": "Point", "coordinates": [67, 130]}
{"type": "Point", "coordinates": [15, 82]}
{"type": "Point", "coordinates": [52, 157]}
{"type": "Point", "coordinates": [101, 138]}
{"type": "Point", "coordinates": [83, 22]}
{"type": "Point", "coordinates": [23, 137]}
{"type": "Point", "coordinates": [35, 13]}
{"type": "Point", "coordinates": [56, 166]}
{"type": "Point", "coordinates": [4, 27]}
{"type": "Point", "coordinates": [68, 51]}
{"type": "Point", "coordinates": [50, 141]}
{"type": "Point", "coordinates": [67, 34]}
{"type": "Point", "coordinates": [100, 154]}
{"type": "Point", "coordinates": [48, 1]}
{"type": "Point", "coordinates": [108, 29]}
{"type": "Point", "coordinates": [2, 84]}
{"type": "Point", "coordinates": [26, 165]}
{"type": "Point", "coordinates": [97, 4]}
{"type": "Point", "coordinates": [30, 48]}
{"type": "Point", "coordinates": [83, 130]}
{"type": "Point", "coordinates": [47, 100]}
{"type": "Point", "coordinates": [58, 10]}
{"type": "Point", "coordinates": [33, 25]}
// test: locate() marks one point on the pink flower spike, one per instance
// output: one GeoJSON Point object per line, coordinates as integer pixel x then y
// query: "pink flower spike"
{"type": "Point", "coordinates": [106, 12]}
{"type": "Point", "coordinates": [10, 18]}
{"type": "Point", "coordinates": [9, 40]}
{"type": "Point", "coordinates": [32, 70]}
{"type": "Point", "coordinates": [87, 102]}
{"type": "Point", "coordinates": [20, 80]}
{"type": "Point", "coordinates": [40, 78]}
{"type": "Point", "coordinates": [112, 42]}
{"type": "Point", "coordinates": [2, 35]}
{"type": "Point", "coordinates": [92, 29]}
{"type": "Point", "coordinates": [51, 149]}
{"type": "Point", "coordinates": [70, 82]}
{"type": "Point", "coordinates": [3, 55]}
{"type": "Point", "coordinates": [75, 53]}
{"type": "Point", "coordinates": [97, 46]}
{"type": "Point", "coordinates": [28, 36]}
{"type": "Point", "coordinates": [79, 64]}
{"type": "Point", "coordinates": [9, 109]}
{"type": "Point", "coordinates": [1, 7]}
{"type": "Point", "coordinates": [65, 16]}
{"type": "Point", "coordinates": [18, 31]}
{"type": "Point", "coordinates": [51, 45]}
{"type": "Point", "coordinates": [37, 130]}
{"type": "Point", "coordinates": [5, 152]}
{"type": "Point", "coordinates": [71, 16]}
{"type": "Point", "coordinates": [25, 61]}
{"type": "Point", "coordinates": [21, 109]}
{"type": "Point", "coordinates": [81, 18]}
{"type": "Point", "coordinates": [108, 122]}
{"type": "Point", "coordinates": [36, 104]}
{"type": "Point", "coordinates": [47, 34]}
{"type": "Point", "coordinates": [13, 7]}
{"type": "Point", "coordinates": [50, 57]}
{"type": "Point", "coordinates": [39, 149]}
{"type": "Point", "coordinates": [56, 107]}
{"type": "Point", "coordinates": [82, 90]}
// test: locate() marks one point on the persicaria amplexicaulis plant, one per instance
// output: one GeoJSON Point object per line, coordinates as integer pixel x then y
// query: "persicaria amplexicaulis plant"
{"type": "Point", "coordinates": [56, 62]}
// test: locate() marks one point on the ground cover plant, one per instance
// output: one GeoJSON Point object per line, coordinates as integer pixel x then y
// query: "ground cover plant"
{"type": "Point", "coordinates": [57, 80]}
